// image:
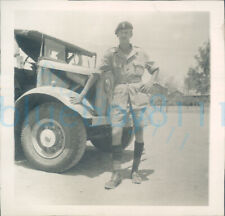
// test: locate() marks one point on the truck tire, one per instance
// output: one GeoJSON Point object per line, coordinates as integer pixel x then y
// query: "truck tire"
{"type": "Point", "coordinates": [105, 143]}
{"type": "Point", "coordinates": [53, 137]}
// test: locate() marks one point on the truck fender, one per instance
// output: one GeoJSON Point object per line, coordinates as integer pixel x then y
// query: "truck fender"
{"type": "Point", "coordinates": [42, 94]}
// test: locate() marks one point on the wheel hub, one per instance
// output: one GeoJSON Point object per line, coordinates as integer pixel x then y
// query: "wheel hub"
{"type": "Point", "coordinates": [47, 138]}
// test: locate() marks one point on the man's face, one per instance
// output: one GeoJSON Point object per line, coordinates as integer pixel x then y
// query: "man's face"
{"type": "Point", "coordinates": [124, 35]}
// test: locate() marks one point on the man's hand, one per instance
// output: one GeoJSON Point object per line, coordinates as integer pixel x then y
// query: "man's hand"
{"type": "Point", "coordinates": [76, 100]}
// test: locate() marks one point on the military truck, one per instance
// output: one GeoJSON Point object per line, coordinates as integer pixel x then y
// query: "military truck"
{"type": "Point", "coordinates": [51, 131]}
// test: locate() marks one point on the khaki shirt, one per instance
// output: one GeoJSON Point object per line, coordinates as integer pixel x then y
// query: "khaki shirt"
{"type": "Point", "coordinates": [127, 72]}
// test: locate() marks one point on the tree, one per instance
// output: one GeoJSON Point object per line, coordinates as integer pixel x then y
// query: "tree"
{"type": "Point", "coordinates": [198, 77]}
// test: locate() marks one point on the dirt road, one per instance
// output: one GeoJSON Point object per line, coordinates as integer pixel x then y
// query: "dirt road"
{"type": "Point", "coordinates": [174, 171]}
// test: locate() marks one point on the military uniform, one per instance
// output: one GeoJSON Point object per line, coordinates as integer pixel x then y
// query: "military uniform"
{"type": "Point", "coordinates": [127, 72]}
{"type": "Point", "coordinates": [127, 97]}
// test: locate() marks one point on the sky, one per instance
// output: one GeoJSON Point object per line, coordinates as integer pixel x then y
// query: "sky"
{"type": "Point", "coordinates": [171, 39]}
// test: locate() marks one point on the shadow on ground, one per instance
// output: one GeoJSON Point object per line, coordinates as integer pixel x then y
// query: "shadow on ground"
{"type": "Point", "coordinates": [94, 163]}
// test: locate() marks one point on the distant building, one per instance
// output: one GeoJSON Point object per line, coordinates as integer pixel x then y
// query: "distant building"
{"type": "Point", "coordinates": [196, 100]}
{"type": "Point", "coordinates": [175, 97]}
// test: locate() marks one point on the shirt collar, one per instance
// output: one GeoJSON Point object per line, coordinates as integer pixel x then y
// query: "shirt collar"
{"type": "Point", "coordinates": [133, 52]}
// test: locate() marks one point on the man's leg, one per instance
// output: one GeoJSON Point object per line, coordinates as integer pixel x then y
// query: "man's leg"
{"type": "Point", "coordinates": [118, 117]}
{"type": "Point", "coordinates": [138, 144]}
{"type": "Point", "coordinates": [116, 158]}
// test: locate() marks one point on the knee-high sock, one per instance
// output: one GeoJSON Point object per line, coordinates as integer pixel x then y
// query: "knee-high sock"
{"type": "Point", "coordinates": [138, 150]}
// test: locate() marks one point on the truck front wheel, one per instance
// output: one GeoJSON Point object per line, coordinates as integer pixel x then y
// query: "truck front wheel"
{"type": "Point", "coordinates": [53, 137]}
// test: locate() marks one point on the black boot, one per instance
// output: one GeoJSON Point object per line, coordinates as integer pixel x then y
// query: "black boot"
{"type": "Point", "coordinates": [116, 178]}
{"type": "Point", "coordinates": [138, 150]}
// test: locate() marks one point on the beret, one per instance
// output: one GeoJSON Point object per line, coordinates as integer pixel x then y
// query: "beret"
{"type": "Point", "coordinates": [123, 25]}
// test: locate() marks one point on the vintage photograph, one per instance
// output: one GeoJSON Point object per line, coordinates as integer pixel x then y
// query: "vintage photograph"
{"type": "Point", "coordinates": [112, 107]}
{"type": "Point", "coordinates": [112, 101]}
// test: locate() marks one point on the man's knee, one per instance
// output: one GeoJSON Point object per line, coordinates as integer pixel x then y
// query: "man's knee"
{"type": "Point", "coordinates": [139, 134]}
{"type": "Point", "coordinates": [116, 131]}
{"type": "Point", "coordinates": [117, 136]}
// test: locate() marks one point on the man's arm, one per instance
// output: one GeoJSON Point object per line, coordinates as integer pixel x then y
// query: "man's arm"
{"type": "Point", "coordinates": [146, 88]}
{"type": "Point", "coordinates": [91, 80]}
{"type": "Point", "coordinates": [150, 67]}
{"type": "Point", "coordinates": [154, 75]}
{"type": "Point", "coordinates": [153, 71]}
{"type": "Point", "coordinates": [104, 66]}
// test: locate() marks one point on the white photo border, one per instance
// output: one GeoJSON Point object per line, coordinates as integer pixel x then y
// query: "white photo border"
{"type": "Point", "coordinates": [216, 147]}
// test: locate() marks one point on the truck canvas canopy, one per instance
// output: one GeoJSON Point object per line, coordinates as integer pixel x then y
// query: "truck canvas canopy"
{"type": "Point", "coordinates": [30, 42]}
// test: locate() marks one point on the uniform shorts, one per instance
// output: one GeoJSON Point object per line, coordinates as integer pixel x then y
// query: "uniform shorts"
{"type": "Point", "coordinates": [120, 117]}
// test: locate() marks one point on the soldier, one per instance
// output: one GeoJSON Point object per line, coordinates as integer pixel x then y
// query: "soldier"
{"type": "Point", "coordinates": [127, 64]}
